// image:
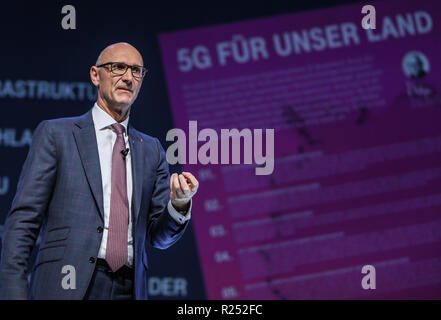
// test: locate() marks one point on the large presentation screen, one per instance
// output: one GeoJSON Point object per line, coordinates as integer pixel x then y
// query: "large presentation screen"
{"type": "Point", "coordinates": [351, 205]}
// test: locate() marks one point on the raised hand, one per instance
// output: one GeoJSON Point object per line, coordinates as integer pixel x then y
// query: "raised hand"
{"type": "Point", "coordinates": [182, 188]}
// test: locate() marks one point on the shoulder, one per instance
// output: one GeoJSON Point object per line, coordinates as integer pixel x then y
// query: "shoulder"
{"type": "Point", "coordinates": [61, 124]}
{"type": "Point", "coordinates": [145, 138]}
{"type": "Point", "coordinates": [150, 144]}
{"type": "Point", "coordinates": [55, 128]}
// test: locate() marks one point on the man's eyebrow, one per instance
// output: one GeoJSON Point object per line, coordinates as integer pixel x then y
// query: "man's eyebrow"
{"type": "Point", "coordinates": [133, 65]}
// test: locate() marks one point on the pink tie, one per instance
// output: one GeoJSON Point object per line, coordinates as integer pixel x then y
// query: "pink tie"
{"type": "Point", "coordinates": [116, 252]}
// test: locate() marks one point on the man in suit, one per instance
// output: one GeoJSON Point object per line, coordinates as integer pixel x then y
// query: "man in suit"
{"type": "Point", "coordinates": [99, 191]}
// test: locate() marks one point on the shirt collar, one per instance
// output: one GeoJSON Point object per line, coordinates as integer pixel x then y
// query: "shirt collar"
{"type": "Point", "coordinates": [102, 119]}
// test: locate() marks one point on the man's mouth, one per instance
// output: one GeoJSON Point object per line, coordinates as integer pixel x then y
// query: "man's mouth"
{"type": "Point", "coordinates": [124, 89]}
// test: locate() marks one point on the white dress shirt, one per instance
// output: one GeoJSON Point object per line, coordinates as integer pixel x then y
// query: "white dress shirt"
{"type": "Point", "coordinates": [106, 138]}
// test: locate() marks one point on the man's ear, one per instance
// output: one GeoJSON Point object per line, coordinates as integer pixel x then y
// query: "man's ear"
{"type": "Point", "coordinates": [94, 76]}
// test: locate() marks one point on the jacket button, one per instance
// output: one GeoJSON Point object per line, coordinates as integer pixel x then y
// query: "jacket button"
{"type": "Point", "coordinates": [99, 229]}
{"type": "Point", "coordinates": [92, 260]}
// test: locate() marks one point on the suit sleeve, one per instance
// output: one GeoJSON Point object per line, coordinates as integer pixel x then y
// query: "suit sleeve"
{"type": "Point", "coordinates": [24, 219]}
{"type": "Point", "coordinates": [162, 229]}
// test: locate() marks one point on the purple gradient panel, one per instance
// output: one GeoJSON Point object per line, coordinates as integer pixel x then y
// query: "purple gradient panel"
{"type": "Point", "coordinates": [357, 174]}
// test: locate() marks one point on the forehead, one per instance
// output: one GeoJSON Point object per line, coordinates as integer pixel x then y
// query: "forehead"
{"type": "Point", "coordinates": [124, 54]}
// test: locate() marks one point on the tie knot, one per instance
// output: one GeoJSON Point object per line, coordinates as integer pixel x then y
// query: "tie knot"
{"type": "Point", "coordinates": [119, 128]}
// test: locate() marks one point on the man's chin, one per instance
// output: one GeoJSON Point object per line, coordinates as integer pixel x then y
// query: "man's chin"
{"type": "Point", "coordinates": [123, 101]}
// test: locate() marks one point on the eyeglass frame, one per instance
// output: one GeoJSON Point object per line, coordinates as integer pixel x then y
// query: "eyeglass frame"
{"type": "Point", "coordinates": [127, 67]}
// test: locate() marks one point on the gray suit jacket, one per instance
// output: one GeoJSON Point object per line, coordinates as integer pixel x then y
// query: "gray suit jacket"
{"type": "Point", "coordinates": [60, 192]}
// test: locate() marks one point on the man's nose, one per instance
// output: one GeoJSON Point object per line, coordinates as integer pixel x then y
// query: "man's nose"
{"type": "Point", "coordinates": [128, 77]}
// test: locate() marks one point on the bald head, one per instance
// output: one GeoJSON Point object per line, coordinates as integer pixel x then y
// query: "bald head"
{"type": "Point", "coordinates": [116, 50]}
{"type": "Point", "coordinates": [117, 90]}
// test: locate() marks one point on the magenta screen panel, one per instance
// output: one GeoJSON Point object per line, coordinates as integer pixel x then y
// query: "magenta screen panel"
{"type": "Point", "coordinates": [357, 140]}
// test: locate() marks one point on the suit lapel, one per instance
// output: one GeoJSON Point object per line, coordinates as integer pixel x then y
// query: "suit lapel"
{"type": "Point", "coordinates": [137, 156]}
{"type": "Point", "coordinates": [85, 138]}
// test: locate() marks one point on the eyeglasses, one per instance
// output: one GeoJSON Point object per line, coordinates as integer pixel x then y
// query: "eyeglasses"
{"type": "Point", "coordinates": [120, 68]}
